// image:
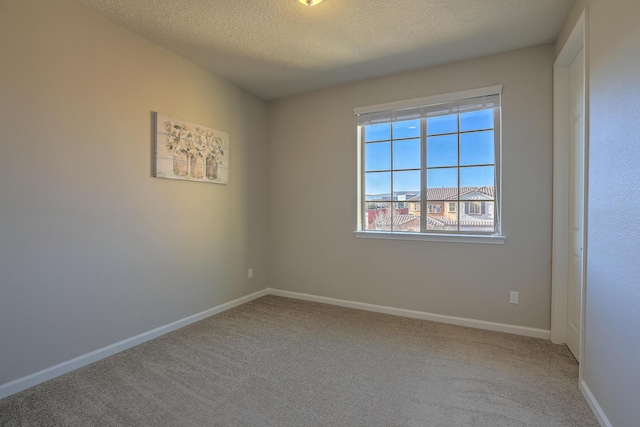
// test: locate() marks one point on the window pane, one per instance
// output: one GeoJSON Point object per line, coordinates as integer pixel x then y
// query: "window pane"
{"type": "Point", "coordinates": [482, 176]}
{"type": "Point", "coordinates": [377, 156]}
{"type": "Point", "coordinates": [403, 221]}
{"type": "Point", "coordinates": [406, 154]}
{"type": "Point", "coordinates": [406, 129]}
{"type": "Point", "coordinates": [377, 216]}
{"type": "Point", "coordinates": [476, 120]}
{"type": "Point", "coordinates": [378, 132]}
{"type": "Point", "coordinates": [406, 184]}
{"type": "Point", "coordinates": [442, 150]}
{"type": "Point", "coordinates": [442, 184]}
{"type": "Point", "coordinates": [377, 186]}
{"type": "Point", "coordinates": [477, 216]}
{"type": "Point", "coordinates": [477, 148]}
{"type": "Point", "coordinates": [442, 124]}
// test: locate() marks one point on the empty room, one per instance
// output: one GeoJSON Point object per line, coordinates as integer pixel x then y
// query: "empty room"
{"type": "Point", "coordinates": [396, 213]}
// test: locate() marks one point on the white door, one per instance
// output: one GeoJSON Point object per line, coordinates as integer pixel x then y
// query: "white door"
{"type": "Point", "coordinates": [576, 204]}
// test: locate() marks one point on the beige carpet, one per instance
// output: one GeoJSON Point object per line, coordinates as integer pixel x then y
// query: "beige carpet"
{"type": "Point", "coordinates": [282, 362]}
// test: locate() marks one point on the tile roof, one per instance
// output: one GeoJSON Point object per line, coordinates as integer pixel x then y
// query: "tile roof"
{"type": "Point", "coordinates": [385, 220]}
{"type": "Point", "coordinates": [444, 223]}
{"type": "Point", "coordinates": [450, 193]}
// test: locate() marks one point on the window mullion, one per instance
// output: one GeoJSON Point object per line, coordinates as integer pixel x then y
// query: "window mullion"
{"type": "Point", "coordinates": [423, 175]}
{"type": "Point", "coordinates": [459, 186]}
{"type": "Point", "coordinates": [392, 148]}
{"type": "Point", "coordinates": [363, 209]}
{"type": "Point", "coordinates": [497, 168]}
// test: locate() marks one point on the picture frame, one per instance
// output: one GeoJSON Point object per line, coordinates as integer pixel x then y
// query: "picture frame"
{"type": "Point", "coordinates": [190, 152]}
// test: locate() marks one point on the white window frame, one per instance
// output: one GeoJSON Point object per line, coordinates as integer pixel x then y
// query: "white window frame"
{"type": "Point", "coordinates": [462, 237]}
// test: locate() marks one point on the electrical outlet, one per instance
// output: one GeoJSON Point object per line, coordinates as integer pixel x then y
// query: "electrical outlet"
{"type": "Point", "coordinates": [514, 297]}
{"type": "Point", "coordinates": [250, 273]}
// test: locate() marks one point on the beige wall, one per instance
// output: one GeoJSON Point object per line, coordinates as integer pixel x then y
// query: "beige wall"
{"type": "Point", "coordinates": [612, 331]}
{"type": "Point", "coordinates": [313, 200]}
{"type": "Point", "coordinates": [94, 250]}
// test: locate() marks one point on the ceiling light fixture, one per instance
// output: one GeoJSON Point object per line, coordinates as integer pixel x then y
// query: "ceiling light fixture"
{"type": "Point", "coordinates": [310, 2]}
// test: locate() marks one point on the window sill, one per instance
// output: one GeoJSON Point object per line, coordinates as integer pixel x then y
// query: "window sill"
{"type": "Point", "coordinates": [450, 238]}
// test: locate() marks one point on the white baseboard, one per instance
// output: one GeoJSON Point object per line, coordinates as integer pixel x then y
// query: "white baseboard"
{"type": "Point", "coordinates": [461, 321]}
{"type": "Point", "coordinates": [595, 406]}
{"type": "Point", "coordinates": [36, 378]}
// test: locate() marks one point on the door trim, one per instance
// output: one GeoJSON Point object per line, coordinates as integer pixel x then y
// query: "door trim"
{"type": "Point", "coordinates": [561, 129]}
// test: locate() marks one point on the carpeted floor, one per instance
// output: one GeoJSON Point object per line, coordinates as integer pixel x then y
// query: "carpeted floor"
{"type": "Point", "coordinates": [282, 362]}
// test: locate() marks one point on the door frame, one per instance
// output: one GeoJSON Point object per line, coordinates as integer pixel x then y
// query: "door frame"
{"type": "Point", "coordinates": [561, 131]}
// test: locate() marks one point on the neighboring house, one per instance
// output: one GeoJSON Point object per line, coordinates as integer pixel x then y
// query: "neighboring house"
{"type": "Point", "coordinates": [476, 207]}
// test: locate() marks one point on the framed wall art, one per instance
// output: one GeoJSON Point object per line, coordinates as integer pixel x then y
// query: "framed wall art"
{"type": "Point", "coordinates": [190, 152]}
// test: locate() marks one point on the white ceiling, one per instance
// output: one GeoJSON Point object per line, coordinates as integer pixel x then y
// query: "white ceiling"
{"type": "Point", "coordinates": [277, 48]}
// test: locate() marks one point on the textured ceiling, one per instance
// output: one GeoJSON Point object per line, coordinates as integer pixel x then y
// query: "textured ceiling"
{"type": "Point", "coordinates": [276, 48]}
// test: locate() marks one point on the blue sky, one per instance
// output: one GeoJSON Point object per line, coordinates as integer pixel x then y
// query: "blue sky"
{"type": "Point", "coordinates": [476, 148]}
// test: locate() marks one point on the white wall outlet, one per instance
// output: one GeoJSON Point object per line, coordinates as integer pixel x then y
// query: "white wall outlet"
{"type": "Point", "coordinates": [514, 297]}
{"type": "Point", "coordinates": [250, 273]}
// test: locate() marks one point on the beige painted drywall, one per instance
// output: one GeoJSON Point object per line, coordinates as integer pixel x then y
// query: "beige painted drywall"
{"type": "Point", "coordinates": [612, 330]}
{"type": "Point", "coordinates": [93, 250]}
{"type": "Point", "coordinates": [313, 200]}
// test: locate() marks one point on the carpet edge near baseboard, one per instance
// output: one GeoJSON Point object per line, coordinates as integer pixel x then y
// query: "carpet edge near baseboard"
{"type": "Point", "coordinates": [31, 380]}
{"type": "Point", "coordinates": [423, 315]}
{"type": "Point", "coordinates": [46, 374]}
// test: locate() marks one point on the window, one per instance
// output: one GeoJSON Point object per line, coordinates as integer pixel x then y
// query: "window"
{"type": "Point", "coordinates": [441, 151]}
{"type": "Point", "coordinates": [475, 208]}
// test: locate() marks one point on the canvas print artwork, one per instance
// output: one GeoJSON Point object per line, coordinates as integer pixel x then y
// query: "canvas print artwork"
{"type": "Point", "coordinates": [190, 152]}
